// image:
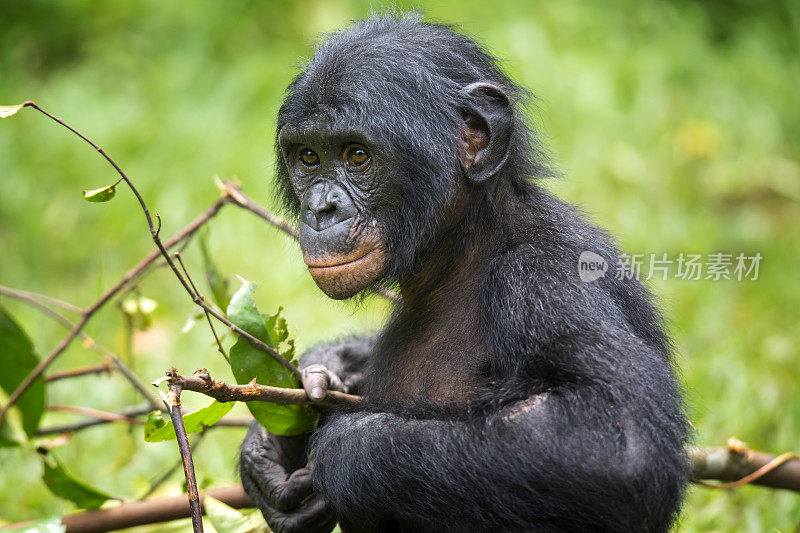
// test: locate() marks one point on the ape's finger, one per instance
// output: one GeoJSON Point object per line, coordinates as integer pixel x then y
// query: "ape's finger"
{"type": "Point", "coordinates": [314, 516]}
{"type": "Point", "coordinates": [283, 492]}
{"type": "Point", "coordinates": [316, 379]}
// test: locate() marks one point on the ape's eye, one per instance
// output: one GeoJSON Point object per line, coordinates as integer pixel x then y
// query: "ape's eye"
{"type": "Point", "coordinates": [356, 155]}
{"type": "Point", "coordinates": [308, 157]}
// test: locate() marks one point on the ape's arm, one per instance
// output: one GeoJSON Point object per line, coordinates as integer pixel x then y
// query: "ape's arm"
{"type": "Point", "coordinates": [274, 469]}
{"type": "Point", "coordinates": [576, 454]}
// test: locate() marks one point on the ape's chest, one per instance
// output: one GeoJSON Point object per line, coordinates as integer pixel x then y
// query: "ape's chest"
{"type": "Point", "coordinates": [441, 360]}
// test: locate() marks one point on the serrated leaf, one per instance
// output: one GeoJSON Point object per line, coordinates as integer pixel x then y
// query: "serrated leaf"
{"type": "Point", "coordinates": [219, 285]}
{"type": "Point", "coordinates": [9, 110]}
{"type": "Point", "coordinates": [63, 484]}
{"type": "Point", "coordinates": [159, 428]}
{"type": "Point", "coordinates": [17, 359]}
{"type": "Point", "coordinates": [248, 363]}
{"type": "Point", "coordinates": [50, 525]}
{"type": "Point", "coordinates": [226, 519]}
{"type": "Point", "coordinates": [103, 194]}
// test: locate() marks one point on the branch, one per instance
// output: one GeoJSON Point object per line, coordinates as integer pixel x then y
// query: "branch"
{"type": "Point", "coordinates": [202, 382]}
{"type": "Point", "coordinates": [164, 476]}
{"type": "Point", "coordinates": [173, 402]}
{"type": "Point", "coordinates": [220, 349]}
{"type": "Point", "coordinates": [237, 197]}
{"type": "Point", "coordinates": [94, 413]}
{"type": "Point", "coordinates": [145, 512]}
{"type": "Point", "coordinates": [102, 368]}
{"type": "Point", "coordinates": [738, 465]}
{"type": "Point", "coordinates": [130, 412]}
{"type": "Point", "coordinates": [126, 412]}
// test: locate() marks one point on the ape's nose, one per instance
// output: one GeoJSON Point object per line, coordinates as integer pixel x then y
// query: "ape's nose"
{"type": "Point", "coordinates": [326, 204]}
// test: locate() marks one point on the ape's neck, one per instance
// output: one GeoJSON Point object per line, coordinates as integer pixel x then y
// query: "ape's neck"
{"type": "Point", "coordinates": [435, 348]}
{"type": "Point", "coordinates": [461, 254]}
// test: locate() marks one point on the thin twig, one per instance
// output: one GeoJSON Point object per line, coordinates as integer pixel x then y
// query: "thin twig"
{"type": "Point", "coordinates": [191, 228]}
{"type": "Point", "coordinates": [128, 412]}
{"type": "Point", "coordinates": [227, 422]}
{"type": "Point", "coordinates": [202, 382]}
{"type": "Point", "coordinates": [173, 402]}
{"type": "Point", "coordinates": [164, 476]}
{"type": "Point", "coordinates": [40, 299]}
{"type": "Point", "coordinates": [102, 368]}
{"type": "Point", "coordinates": [208, 317]}
{"type": "Point", "coordinates": [237, 197]}
{"type": "Point", "coordinates": [94, 413]}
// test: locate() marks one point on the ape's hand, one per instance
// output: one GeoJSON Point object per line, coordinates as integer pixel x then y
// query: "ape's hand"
{"type": "Point", "coordinates": [318, 380]}
{"type": "Point", "coordinates": [275, 474]}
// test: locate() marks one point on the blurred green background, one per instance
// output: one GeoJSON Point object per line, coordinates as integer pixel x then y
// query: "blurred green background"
{"type": "Point", "coordinates": [675, 124]}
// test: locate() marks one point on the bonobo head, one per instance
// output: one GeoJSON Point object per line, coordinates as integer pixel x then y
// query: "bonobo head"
{"type": "Point", "coordinates": [384, 138]}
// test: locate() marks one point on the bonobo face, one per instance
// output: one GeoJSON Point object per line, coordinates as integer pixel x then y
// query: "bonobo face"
{"type": "Point", "coordinates": [334, 175]}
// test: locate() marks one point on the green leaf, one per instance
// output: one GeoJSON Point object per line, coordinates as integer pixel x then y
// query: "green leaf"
{"type": "Point", "coordinates": [8, 439]}
{"type": "Point", "coordinates": [226, 519]}
{"type": "Point", "coordinates": [158, 427]}
{"type": "Point", "coordinates": [248, 363]}
{"type": "Point", "coordinates": [9, 110]}
{"type": "Point", "coordinates": [17, 359]}
{"type": "Point", "coordinates": [218, 284]}
{"type": "Point", "coordinates": [103, 194]}
{"type": "Point", "coordinates": [65, 485]}
{"type": "Point", "coordinates": [50, 525]}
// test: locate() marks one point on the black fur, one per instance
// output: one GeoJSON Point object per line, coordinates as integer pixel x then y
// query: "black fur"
{"type": "Point", "coordinates": [505, 394]}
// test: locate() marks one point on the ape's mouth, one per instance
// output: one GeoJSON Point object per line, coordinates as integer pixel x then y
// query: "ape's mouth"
{"type": "Point", "coordinates": [343, 262]}
{"type": "Point", "coordinates": [342, 276]}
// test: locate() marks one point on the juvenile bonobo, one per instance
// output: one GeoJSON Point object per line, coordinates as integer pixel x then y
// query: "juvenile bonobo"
{"type": "Point", "coordinates": [504, 394]}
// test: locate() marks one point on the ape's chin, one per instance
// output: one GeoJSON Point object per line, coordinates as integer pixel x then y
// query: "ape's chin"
{"type": "Point", "coordinates": [341, 277]}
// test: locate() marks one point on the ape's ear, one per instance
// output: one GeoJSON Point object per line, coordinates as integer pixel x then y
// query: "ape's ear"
{"type": "Point", "coordinates": [486, 134]}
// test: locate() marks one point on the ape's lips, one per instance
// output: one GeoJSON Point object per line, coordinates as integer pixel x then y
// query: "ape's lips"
{"type": "Point", "coordinates": [341, 276]}
{"type": "Point", "coordinates": [333, 262]}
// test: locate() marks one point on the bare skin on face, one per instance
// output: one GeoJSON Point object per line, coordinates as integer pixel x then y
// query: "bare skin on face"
{"type": "Point", "coordinates": [341, 276]}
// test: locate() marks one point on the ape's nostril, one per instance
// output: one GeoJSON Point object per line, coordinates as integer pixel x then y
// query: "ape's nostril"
{"type": "Point", "coordinates": [326, 204]}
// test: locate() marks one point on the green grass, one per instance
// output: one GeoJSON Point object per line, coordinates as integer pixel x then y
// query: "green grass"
{"type": "Point", "coordinates": [675, 125]}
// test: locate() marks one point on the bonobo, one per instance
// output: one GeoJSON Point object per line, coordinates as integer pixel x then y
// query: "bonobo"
{"type": "Point", "coordinates": [505, 393]}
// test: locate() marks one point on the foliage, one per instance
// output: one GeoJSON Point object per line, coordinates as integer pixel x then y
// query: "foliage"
{"type": "Point", "coordinates": [62, 483]}
{"type": "Point", "coordinates": [249, 363]}
{"type": "Point", "coordinates": [226, 519]}
{"type": "Point", "coordinates": [676, 125]}
{"type": "Point", "coordinates": [17, 359]}
{"type": "Point", "coordinates": [159, 427]}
